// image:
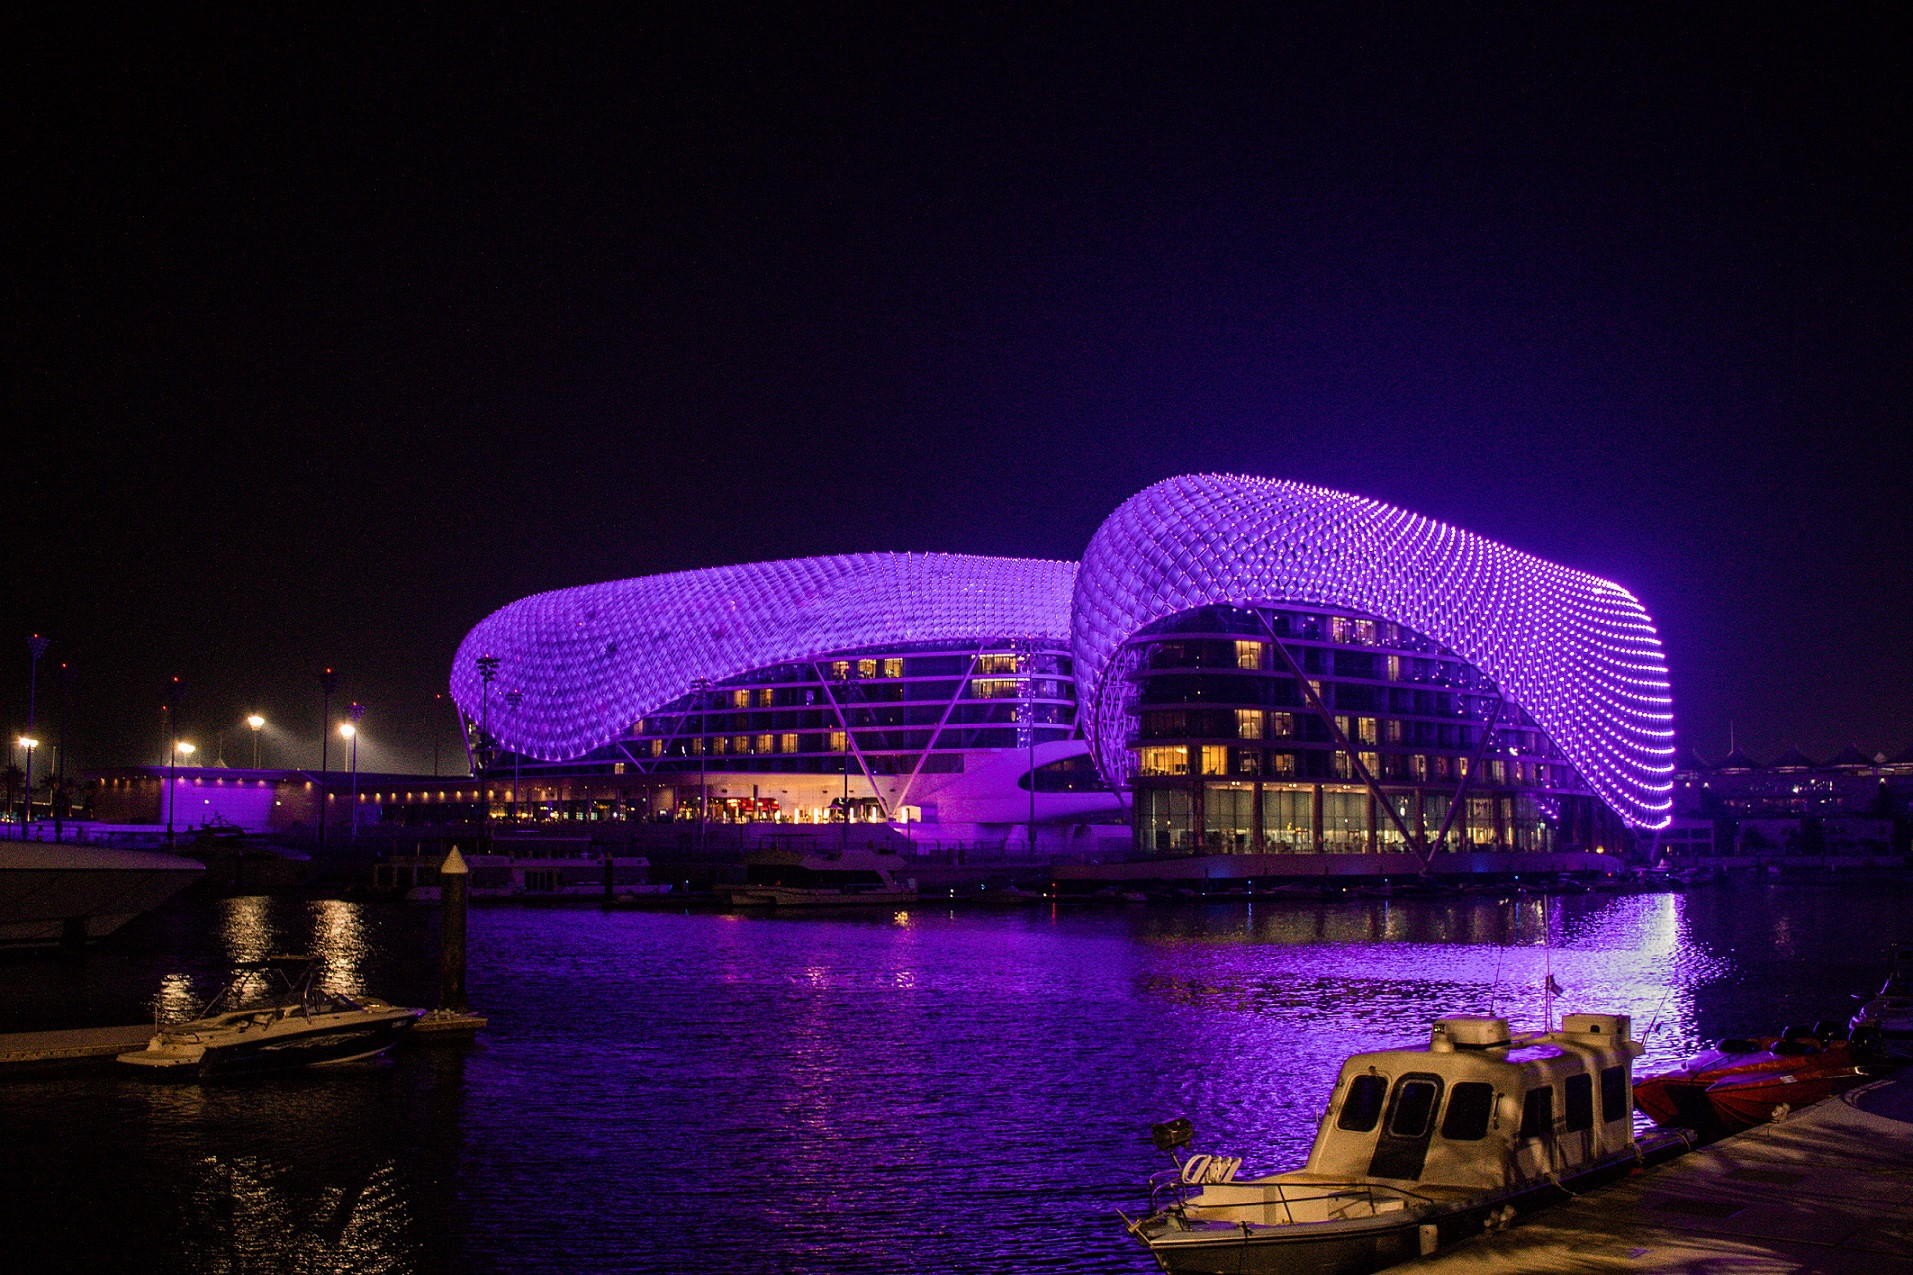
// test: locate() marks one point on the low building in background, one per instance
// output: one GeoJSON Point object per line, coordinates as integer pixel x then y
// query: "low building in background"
{"type": "Point", "coordinates": [141, 799]}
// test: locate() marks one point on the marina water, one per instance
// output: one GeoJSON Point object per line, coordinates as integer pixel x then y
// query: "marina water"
{"type": "Point", "coordinates": [934, 1088]}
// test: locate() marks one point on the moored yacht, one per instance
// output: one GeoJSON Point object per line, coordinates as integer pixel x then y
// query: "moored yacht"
{"type": "Point", "coordinates": [272, 1016]}
{"type": "Point", "coordinates": [1417, 1148]}
{"type": "Point", "coordinates": [789, 878]}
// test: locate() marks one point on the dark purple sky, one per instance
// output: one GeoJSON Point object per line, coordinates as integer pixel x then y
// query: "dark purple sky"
{"type": "Point", "coordinates": [326, 336]}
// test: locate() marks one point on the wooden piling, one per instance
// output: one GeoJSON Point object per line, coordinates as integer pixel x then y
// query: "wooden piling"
{"type": "Point", "coordinates": [454, 880]}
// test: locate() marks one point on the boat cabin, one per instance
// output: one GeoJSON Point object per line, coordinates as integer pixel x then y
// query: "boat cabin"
{"type": "Point", "coordinates": [1477, 1110]}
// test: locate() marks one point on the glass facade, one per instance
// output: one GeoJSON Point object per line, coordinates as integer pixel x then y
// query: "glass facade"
{"type": "Point", "coordinates": [1354, 735]}
{"type": "Point", "coordinates": [901, 711]}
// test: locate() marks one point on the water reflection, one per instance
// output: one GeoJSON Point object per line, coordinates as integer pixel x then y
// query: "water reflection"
{"type": "Point", "coordinates": [934, 1089]}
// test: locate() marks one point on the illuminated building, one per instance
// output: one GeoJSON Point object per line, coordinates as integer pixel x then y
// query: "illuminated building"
{"type": "Point", "coordinates": [1252, 666]}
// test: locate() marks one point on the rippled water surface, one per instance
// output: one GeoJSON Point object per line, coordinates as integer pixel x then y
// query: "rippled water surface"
{"type": "Point", "coordinates": [921, 1090]}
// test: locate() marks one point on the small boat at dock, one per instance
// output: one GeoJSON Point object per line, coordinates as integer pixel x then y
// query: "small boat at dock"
{"type": "Point", "coordinates": [272, 1016]}
{"type": "Point", "coordinates": [1890, 1014]}
{"type": "Point", "coordinates": [1419, 1147]}
{"type": "Point", "coordinates": [789, 878]}
{"type": "Point", "coordinates": [1743, 1082]}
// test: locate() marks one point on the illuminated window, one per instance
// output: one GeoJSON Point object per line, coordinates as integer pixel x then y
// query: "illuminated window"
{"type": "Point", "coordinates": [866, 668]}
{"type": "Point", "coordinates": [993, 687]}
{"type": "Point", "coordinates": [764, 744]}
{"type": "Point", "coordinates": [1461, 768]}
{"type": "Point", "coordinates": [996, 662]}
{"type": "Point", "coordinates": [1394, 668]}
{"type": "Point", "coordinates": [893, 668]}
{"type": "Point", "coordinates": [1248, 723]}
{"type": "Point", "coordinates": [1365, 632]}
{"type": "Point", "coordinates": [1248, 761]}
{"type": "Point", "coordinates": [657, 748]}
{"type": "Point", "coordinates": [1339, 764]}
{"type": "Point", "coordinates": [1215, 759]}
{"type": "Point", "coordinates": [1343, 726]}
{"type": "Point", "coordinates": [1281, 725]}
{"type": "Point", "coordinates": [1340, 628]}
{"type": "Point", "coordinates": [787, 743]}
{"type": "Point", "coordinates": [1248, 655]}
{"type": "Point", "coordinates": [1372, 764]}
{"type": "Point", "coordinates": [1162, 761]}
{"type": "Point", "coordinates": [764, 698]}
{"type": "Point", "coordinates": [740, 699]}
{"type": "Point", "coordinates": [697, 746]}
{"type": "Point", "coordinates": [1393, 731]}
{"type": "Point", "coordinates": [837, 741]}
{"type": "Point", "coordinates": [1315, 684]}
{"type": "Point", "coordinates": [1281, 763]}
{"type": "Point", "coordinates": [741, 744]}
{"type": "Point", "coordinates": [721, 744]}
{"type": "Point", "coordinates": [840, 669]}
{"type": "Point", "coordinates": [1365, 729]}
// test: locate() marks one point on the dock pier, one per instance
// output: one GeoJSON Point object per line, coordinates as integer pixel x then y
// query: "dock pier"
{"type": "Point", "coordinates": [1828, 1190]}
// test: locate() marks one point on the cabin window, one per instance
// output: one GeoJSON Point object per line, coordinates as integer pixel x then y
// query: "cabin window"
{"type": "Point", "coordinates": [1469, 1108]}
{"type": "Point", "coordinates": [1537, 1113]}
{"type": "Point", "coordinates": [1577, 1096]}
{"type": "Point", "coordinates": [1614, 1103]}
{"type": "Point", "coordinates": [1414, 1108]}
{"type": "Point", "coordinates": [1363, 1106]}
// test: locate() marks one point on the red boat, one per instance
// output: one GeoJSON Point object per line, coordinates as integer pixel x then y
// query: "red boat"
{"type": "Point", "coordinates": [1743, 1101]}
{"type": "Point", "coordinates": [1678, 1099]}
{"type": "Point", "coordinates": [1742, 1083]}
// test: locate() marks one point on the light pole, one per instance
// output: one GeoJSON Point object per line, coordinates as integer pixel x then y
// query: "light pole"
{"type": "Point", "coordinates": [350, 730]}
{"type": "Point", "coordinates": [514, 698]}
{"type": "Point", "coordinates": [59, 751]}
{"type": "Point", "coordinates": [703, 687]}
{"type": "Point", "coordinates": [487, 674]}
{"type": "Point", "coordinates": [172, 754]}
{"type": "Point", "coordinates": [36, 647]}
{"type": "Point", "coordinates": [255, 721]}
{"type": "Point", "coordinates": [440, 700]}
{"type": "Point", "coordinates": [27, 744]}
{"type": "Point", "coordinates": [328, 682]}
{"type": "Point", "coordinates": [180, 749]}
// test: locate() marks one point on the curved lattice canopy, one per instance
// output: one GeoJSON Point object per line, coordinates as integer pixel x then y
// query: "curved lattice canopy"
{"type": "Point", "coordinates": [588, 662]}
{"type": "Point", "coordinates": [1578, 653]}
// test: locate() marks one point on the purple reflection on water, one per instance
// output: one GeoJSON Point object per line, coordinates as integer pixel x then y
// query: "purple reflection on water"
{"type": "Point", "coordinates": [918, 1091]}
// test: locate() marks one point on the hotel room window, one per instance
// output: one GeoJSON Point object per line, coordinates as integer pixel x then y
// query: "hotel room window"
{"type": "Point", "coordinates": [866, 668]}
{"type": "Point", "coordinates": [740, 699]}
{"type": "Point", "coordinates": [787, 743]}
{"type": "Point", "coordinates": [1281, 725]}
{"type": "Point", "coordinates": [1248, 723]}
{"type": "Point", "coordinates": [763, 744]}
{"type": "Point", "coordinates": [1248, 655]}
{"type": "Point", "coordinates": [836, 741]}
{"type": "Point", "coordinates": [1215, 759]}
{"type": "Point", "coordinates": [893, 668]}
{"type": "Point", "coordinates": [1393, 731]}
{"type": "Point", "coordinates": [1365, 729]}
{"type": "Point", "coordinates": [840, 669]}
{"type": "Point", "coordinates": [1162, 761]}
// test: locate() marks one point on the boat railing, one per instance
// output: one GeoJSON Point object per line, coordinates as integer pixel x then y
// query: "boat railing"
{"type": "Point", "coordinates": [1335, 1201]}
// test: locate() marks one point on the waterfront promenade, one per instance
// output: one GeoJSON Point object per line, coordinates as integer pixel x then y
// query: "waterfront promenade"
{"type": "Point", "coordinates": [1828, 1191]}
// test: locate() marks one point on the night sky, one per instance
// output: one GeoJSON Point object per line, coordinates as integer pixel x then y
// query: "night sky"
{"type": "Point", "coordinates": [327, 335]}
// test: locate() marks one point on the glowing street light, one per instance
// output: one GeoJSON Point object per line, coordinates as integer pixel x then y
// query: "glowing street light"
{"type": "Point", "coordinates": [256, 722]}
{"type": "Point", "coordinates": [351, 732]}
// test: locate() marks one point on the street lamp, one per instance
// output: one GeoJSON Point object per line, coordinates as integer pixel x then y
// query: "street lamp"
{"type": "Point", "coordinates": [350, 730]}
{"type": "Point", "coordinates": [256, 722]}
{"type": "Point", "coordinates": [28, 744]}
{"type": "Point", "coordinates": [36, 647]}
{"type": "Point", "coordinates": [175, 693]}
{"type": "Point", "coordinates": [328, 682]}
{"type": "Point", "coordinates": [515, 698]}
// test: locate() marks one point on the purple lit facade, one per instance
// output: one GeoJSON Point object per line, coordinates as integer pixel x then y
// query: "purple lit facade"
{"type": "Point", "coordinates": [1533, 696]}
{"type": "Point", "coordinates": [1575, 654]}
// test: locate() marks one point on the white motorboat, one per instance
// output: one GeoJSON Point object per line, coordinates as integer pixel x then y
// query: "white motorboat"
{"type": "Point", "coordinates": [1890, 1014]}
{"type": "Point", "coordinates": [272, 1016]}
{"type": "Point", "coordinates": [788, 878]}
{"type": "Point", "coordinates": [1419, 1147]}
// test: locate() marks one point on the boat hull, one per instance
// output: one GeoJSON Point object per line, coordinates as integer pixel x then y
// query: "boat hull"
{"type": "Point", "coordinates": [323, 1044]}
{"type": "Point", "coordinates": [773, 896]}
{"type": "Point", "coordinates": [1358, 1248]}
{"type": "Point", "coordinates": [1742, 1104]}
